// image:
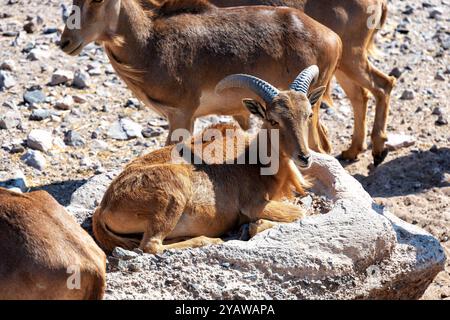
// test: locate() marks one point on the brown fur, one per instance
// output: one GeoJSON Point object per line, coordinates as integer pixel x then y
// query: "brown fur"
{"type": "Point", "coordinates": [170, 202]}
{"type": "Point", "coordinates": [356, 74]}
{"type": "Point", "coordinates": [38, 242]}
{"type": "Point", "coordinates": [172, 61]}
{"type": "Point", "coordinates": [174, 7]}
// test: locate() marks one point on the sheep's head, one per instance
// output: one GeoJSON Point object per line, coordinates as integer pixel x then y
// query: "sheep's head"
{"type": "Point", "coordinates": [289, 111]}
{"type": "Point", "coordinates": [90, 20]}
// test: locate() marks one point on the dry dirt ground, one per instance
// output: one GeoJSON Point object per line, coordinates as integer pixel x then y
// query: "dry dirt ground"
{"type": "Point", "coordinates": [413, 182]}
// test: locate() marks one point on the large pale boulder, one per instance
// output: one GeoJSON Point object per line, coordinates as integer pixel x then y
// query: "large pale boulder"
{"type": "Point", "coordinates": [357, 251]}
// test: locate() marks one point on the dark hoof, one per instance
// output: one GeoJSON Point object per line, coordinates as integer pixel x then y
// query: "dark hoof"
{"type": "Point", "coordinates": [379, 159]}
{"type": "Point", "coordinates": [348, 161]}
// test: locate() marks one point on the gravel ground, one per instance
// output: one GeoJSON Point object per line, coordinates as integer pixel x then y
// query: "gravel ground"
{"type": "Point", "coordinates": [81, 117]}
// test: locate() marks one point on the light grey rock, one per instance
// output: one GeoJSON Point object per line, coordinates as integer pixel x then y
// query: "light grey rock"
{"type": "Point", "coordinates": [40, 114]}
{"type": "Point", "coordinates": [65, 103]}
{"type": "Point", "coordinates": [35, 159]}
{"type": "Point", "coordinates": [357, 251]}
{"type": "Point", "coordinates": [81, 80]}
{"type": "Point", "coordinates": [116, 131]}
{"type": "Point", "coordinates": [399, 141]}
{"type": "Point", "coordinates": [125, 129]}
{"type": "Point", "coordinates": [8, 65]}
{"type": "Point", "coordinates": [38, 54]}
{"type": "Point", "coordinates": [133, 129]}
{"type": "Point", "coordinates": [61, 77]}
{"type": "Point", "coordinates": [74, 139]}
{"type": "Point", "coordinates": [99, 145]}
{"type": "Point", "coordinates": [85, 199]}
{"type": "Point", "coordinates": [123, 254]}
{"type": "Point", "coordinates": [33, 97]}
{"type": "Point", "coordinates": [10, 120]}
{"type": "Point", "coordinates": [7, 80]}
{"type": "Point", "coordinates": [40, 140]}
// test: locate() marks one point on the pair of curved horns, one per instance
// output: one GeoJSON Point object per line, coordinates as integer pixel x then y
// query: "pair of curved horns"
{"type": "Point", "coordinates": [264, 89]}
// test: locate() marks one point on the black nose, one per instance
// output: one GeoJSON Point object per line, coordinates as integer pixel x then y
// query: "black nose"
{"type": "Point", "coordinates": [304, 158]}
{"type": "Point", "coordinates": [64, 44]}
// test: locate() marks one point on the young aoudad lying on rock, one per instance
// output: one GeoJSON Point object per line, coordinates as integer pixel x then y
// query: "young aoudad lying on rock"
{"type": "Point", "coordinates": [357, 251]}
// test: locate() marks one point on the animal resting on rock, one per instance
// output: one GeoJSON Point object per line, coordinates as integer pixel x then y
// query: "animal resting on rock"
{"type": "Point", "coordinates": [168, 202]}
{"type": "Point", "coordinates": [44, 253]}
{"type": "Point", "coordinates": [356, 22]}
{"type": "Point", "coordinates": [172, 55]}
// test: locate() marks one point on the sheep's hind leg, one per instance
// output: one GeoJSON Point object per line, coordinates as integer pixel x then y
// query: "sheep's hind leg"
{"type": "Point", "coordinates": [193, 243]}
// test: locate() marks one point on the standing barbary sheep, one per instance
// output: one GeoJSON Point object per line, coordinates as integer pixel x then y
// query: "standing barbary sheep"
{"type": "Point", "coordinates": [356, 22]}
{"type": "Point", "coordinates": [44, 253]}
{"type": "Point", "coordinates": [167, 200]}
{"type": "Point", "coordinates": [172, 55]}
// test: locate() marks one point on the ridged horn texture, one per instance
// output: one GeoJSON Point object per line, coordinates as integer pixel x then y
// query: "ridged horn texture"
{"type": "Point", "coordinates": [305, 79]}
{"type": "Point", "coordinates": [263, 89]}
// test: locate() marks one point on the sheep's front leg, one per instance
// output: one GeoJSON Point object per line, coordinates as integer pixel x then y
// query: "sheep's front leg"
{"type": "Point", "coordinates": [180, 120]}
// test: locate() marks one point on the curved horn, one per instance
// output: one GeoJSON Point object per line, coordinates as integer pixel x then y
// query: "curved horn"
{"type": "Point", "coordinates": [304, 79]}
{"type": "Point", "coordinates": [260, 87]}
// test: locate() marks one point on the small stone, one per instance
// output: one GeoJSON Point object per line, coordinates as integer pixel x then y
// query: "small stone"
{"type": "Point", "coordinates": [10, 105]}
{"type": "Point", "coordinates": [34, 97]}
{"type": "Point", "coordinates": [40, 114]}
{"type": "Point", "coordinates": [38, 54]}
{"type": "Point", "coordinates": [133, 103]}
{"type": "Point", "coordinates": [7, 81]}
{"type": "Point", "coordinates": [435, 14]}
{"type": "Point", "coordinates": [399, 141]}
{"type": "Point", "coordinates": [10, 120]}
{"type": "Point", "coordinates": [123, 254]}
{"type": "Point", "coordinates": [152, 132]}
{"type": "Point", "coordinates": [81, 80]}
{"type": "Point", "coordinates": [30, 27]}
{"type": "Point", "coordinates": [61, 77]}
{"type": "Point", "coordinates": [116, 132]}
{"type": "Point", "coordinates": [133, 129]}
{"type": "Point", "coordinates": [65, 104]}
{"type": "Point", "coordinates": [396, 72]}
{"type": "Point", "coordinates": [40, 140]}
{"type": "Point", "coordinates": [437, 111]}
{"type": "Point", "coordinates": [74, 139]}
{"type": "Point", "coordinates": [8, 65]}
{"type": "Point", "coordinates": [440, 76]}
{"type": "Point", "coordinates": [99, 145]}
{"type": "Point", "coordinates": [79, 99]}
{"type": "Point", "coordinates": [125, 129]}
{"type": "Point", "coordinates": [441, 121]}
{"type": "Point", "coordinates": [407, 95]}
{"type": "Point", "coordinates": [34, 159]}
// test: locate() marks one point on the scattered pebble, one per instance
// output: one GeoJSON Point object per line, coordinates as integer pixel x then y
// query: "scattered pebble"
{"type": "Point", "coordinates": [40, 140]}
{"type": "Point", "coordinates": [35, 159]}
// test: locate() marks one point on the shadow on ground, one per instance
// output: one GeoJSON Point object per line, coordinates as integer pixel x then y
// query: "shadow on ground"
{"type": "Point", "coordinates": [411, 174]}
{"type": "Point", "coordinates": [62, 191]}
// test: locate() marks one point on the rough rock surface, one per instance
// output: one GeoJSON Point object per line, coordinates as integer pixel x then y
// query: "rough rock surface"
{"type": "Point", "coordinates": [356, 251]}
{"type": "Point", "coordinates": [413, 182]}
